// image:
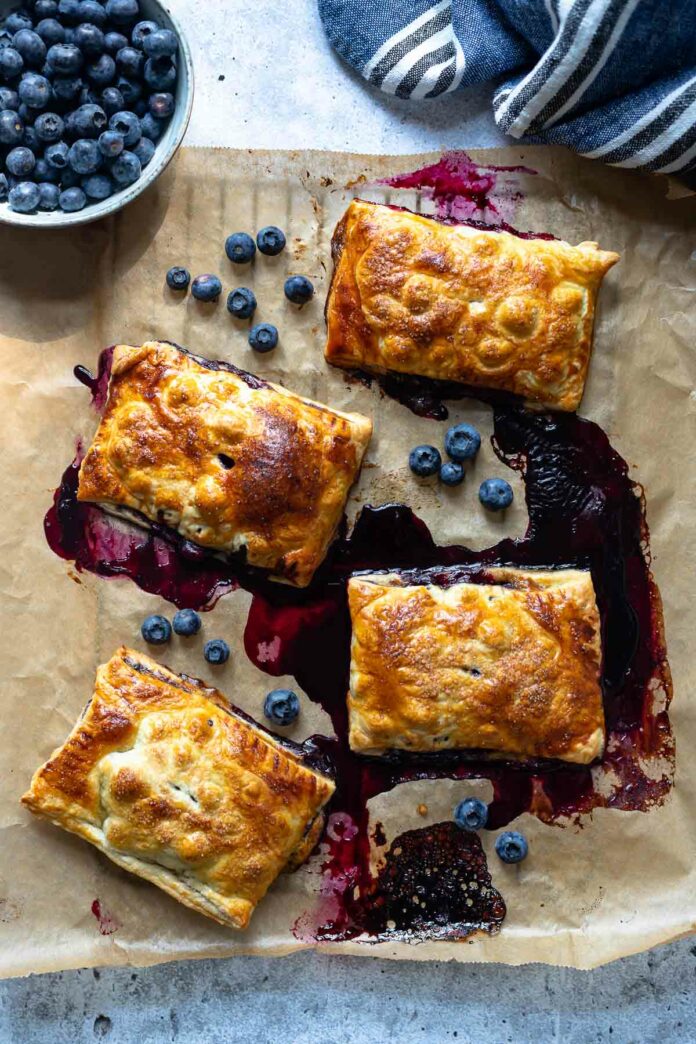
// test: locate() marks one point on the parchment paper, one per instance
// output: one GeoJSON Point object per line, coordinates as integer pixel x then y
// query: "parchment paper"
{"type": "Point", "coordinates": [620, 882]}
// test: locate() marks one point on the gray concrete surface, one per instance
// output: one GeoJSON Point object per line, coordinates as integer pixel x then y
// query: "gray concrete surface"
{"type": "Point", "coordinates": [313, 999]}
{"type": "Point", "coordinates": [266, 78]}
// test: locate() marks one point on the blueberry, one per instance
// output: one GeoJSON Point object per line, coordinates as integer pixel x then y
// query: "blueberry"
{"type": "Point", "coordinates": [24, 197]}
{"type": "Point", "coordinates": [126, 168]}
{"type": "Point", "coordinates": [299, 290]}
{"type": "Point", "coordinates": [4, 188]}
{"type": "Point", "coordinates": [424, 461]}
{"type": "Point", "coordinates": [114, 42]}
{"type": "Point", "coordinates": [67, 88]}
{"type": "Point", "coordinates": [462, 442]}
{"type": "Point", "coordinates": [160, 44]}
{"type": "Point", "coordinates": [240, 248]}
{"type": "Point", "coordinates": [65, 58]}
{"type": "Point", "coordinates": [471, 814]}
{"type": "Point", "coordinates": [69, 35]}
{"type": "Point", "coordinates": [43, 172]}
{"type": "Point", "coordinates": [127, 125]}
{"type": "Point", "coordinates": [161, 105]}
{"type": "Point", "coordinates": [30, 46]}
{"type": "Point", "coordinates": [70, 179]}
{"type": "Point", "coordinates": [88, 96]}
{"type": "Point", "coordinates": [49, 196]}
{"type": "Point", "coordinates": [160, 73]}
{"type": "Point", "coordinates": [51, 31]}
{"type": "Point", "coordinates": [130, 61]}
{"type": "Point", "coordinates": [121, 12]}
{"type": "Point", "coordinates": [92, 13]}
{"type": "Point", "coordinates": [69, 11]}
{"type": "Point", "coordinates": [5, 38]}
{"type": "Point", "coordinates": [49, 127]}
{"type": "Point", "coordinates": [216, 651]}
{"type": "Point", "coordinates": [26, 114]}
{"type": "Point", "coordinates": [451, 473]}
{"type": "Point", "coordinates": [20, 161]}
{"type": "Point", "coordinates": [45, 8]}
{"type": "Point", "coordinates": [144, 150]}
{"type": "Point", "coordinates": [97, 186]}
{"type": "Point", "coordinates": [9, 99]}
{"type": "Point", "coordinates": [110, 144]}
{"type": "Point", "coordinates": [11, 128]}
{"type": "Point", "coordinates": [30, 140]}
{"type": "Point", "coordinates": [141, 30]}
{"type": "Point", "coordinates": [511, 847]}
{"type": "Point", "coordinates": [89, 121]}
{"type": "Point", "coordinates": [281, 706]}
{"type": "Point", "coordinates": [178, 278]}
{"type": "Point", "coordinates": [17, 21]}
{"type": "Point", "coordinates": [84, 156]}
{"type": "Point", "coordinates": [186, 622]}
{"type": "Point", "coordinates": [156, 630]}
{"type": "Point", "coordinates": [57, 155]}
{"type": "Point", "coordinates": [90, 39]}
{"type": "Point", "coordinates": [263, 337]}
{"type": "Point", "coordinates": [241, 302]}
{"type": "Point", "coordinates": [11, 63]}
{"type": "Point", "coordinates": [206, 288]}
{"type": "Point", "coordinates": [130, 89]}
{"type": "Point", "coordinates": [140, 107]}
{"type": "Point", "coordinates": [72, 199]}
{"type": "Point", "coordinates": [150, 127]}
{"type": "Point", "coordinates": [101, 72]}
{"type": "Point", "coordinates": [495, 494]}
{"type": "Point", "coordinates": [270, 240]}
{"type": "Point", "coordinates": [112, 100]}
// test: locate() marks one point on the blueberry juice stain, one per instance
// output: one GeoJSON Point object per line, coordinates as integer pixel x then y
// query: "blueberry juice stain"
{"type": "Point", "coordinates": [584, 512]}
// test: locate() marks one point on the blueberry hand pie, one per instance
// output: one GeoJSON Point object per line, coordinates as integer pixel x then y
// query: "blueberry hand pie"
{"type": "Point", "coordinates": [411, 295]}
{"type": "Point", "coordinates": [170, 783]}
{"type": "Point", "coordinates": [509, 665]}
{"type": "Point", "coordinates": [228, 460]}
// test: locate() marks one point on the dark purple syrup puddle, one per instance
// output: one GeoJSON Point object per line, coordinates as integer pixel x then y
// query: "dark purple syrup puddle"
{"type": "Point", "coordinates": [584, 511]}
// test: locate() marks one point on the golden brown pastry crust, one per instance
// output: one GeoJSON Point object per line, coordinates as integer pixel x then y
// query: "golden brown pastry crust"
{"type": "Point", "coordinates": [157, 451]}
{"type": "Point", "coordinates": [456, 303]}
{"type": "Point", "coordinates": [165, 779]}
{"type": "Point", "coordinates": [509, 666]}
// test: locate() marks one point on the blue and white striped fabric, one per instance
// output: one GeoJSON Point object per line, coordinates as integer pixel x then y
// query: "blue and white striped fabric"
{"type": "Point", "coordinates": [613, 79]}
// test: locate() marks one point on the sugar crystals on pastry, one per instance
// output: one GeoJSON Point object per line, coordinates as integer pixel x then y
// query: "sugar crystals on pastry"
{"type": "Point", "coordinates": [411, 295]}
{"type": "Point", "coordinates": [509, 665]}
{"type": "Point", "coordinates": [166, 779]}
{"type": "Point", "coordinates": [228, 460]}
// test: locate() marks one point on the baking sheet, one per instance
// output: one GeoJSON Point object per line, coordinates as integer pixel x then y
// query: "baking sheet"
{"type": "Point", "coordinates": [591, 892]}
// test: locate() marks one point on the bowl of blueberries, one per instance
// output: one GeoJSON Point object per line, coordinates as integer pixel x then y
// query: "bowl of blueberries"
{"type": "Point", "coordinates": [95, 98]}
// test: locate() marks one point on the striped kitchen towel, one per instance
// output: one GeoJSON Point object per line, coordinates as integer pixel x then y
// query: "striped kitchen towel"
{"type": "Point", "coordinates": [613, 79]}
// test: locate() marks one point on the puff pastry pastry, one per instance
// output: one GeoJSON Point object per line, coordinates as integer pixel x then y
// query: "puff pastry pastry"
{"type": "Point", "coordinates": [509, 665]}
{"type": "Point", "coordinates": [164, 778]}
{"type": "Point", "coordinates": [228, 460]}
{"type": "Point", "coordinates": [457, 303]}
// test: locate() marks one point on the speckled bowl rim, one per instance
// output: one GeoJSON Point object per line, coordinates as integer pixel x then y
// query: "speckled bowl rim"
{"type": "Point", "coordinates": [164, 153]}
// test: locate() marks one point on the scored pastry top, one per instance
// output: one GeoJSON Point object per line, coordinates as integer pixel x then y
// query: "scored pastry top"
{"type": "Point", "coordinates": [457, 303]}
{"type": "Point", "coordinates": [228, 460]}
{"type": "Point", "coordinates": [510, 665]}
{"type": "Point", "coordinates": [166, 779]}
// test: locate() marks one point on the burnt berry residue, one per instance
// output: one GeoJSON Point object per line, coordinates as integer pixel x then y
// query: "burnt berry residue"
{"type": "Point", "coordinates": [434, 884]}
{"type": "Point", "coordinates": [584, 511]}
